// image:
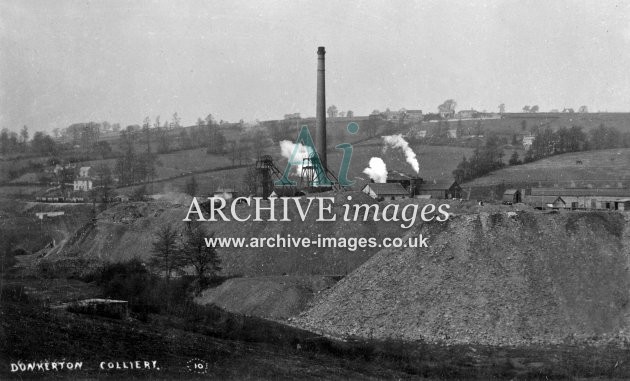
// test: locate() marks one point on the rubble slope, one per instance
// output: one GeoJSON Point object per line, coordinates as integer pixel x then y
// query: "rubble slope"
{"type": "Point", "coordinates": [493, 278]}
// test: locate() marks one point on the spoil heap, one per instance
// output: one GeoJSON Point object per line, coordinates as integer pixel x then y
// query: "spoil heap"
{"type": "Point", "coordinates": [501, 278]}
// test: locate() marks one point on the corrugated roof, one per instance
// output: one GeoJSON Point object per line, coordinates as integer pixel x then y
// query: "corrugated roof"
{"type": "Point", "coordinates": [582, 192]}
{"type": "Point", "coordinates": [538, 200]}
{"type": "Point", "coordinates": [387, 188]}
{"type": "Point", "coordinates": [438, 185]}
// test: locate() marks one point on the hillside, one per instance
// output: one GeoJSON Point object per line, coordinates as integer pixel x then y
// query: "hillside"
{"type": "Point", "coordinates": [602, 168]}
{"type": "Point", "coordinates": [126, 231]}
{"type": "Point", "coordinates": [276, 298]}
{"type": "Point", "coordinates": [490, 278]}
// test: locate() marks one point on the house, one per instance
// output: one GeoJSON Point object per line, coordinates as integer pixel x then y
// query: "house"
{"type": "Point", "coordinates": [512, 196]}
{"type": "Point", "coordinates": [121, 198]}
{"type": "Point", "coordinates": [414, 115]}
{"type": "Point", "coordinates": [84, 181]}
{"type": "Point", "coordinates": [84, 171]}
{"type": "Point", "coordinates": [292, 116]}
{"type": "Point", "coordinates": [447, 114]}
{"type": "Point", "coordinates": [466, 114]}
{"type": "Point", "coordinates": [528, 141]}
{"type": "Point", "coordinates": [441, 189]}
{"type": "Point", "coordinates": [386, 191]}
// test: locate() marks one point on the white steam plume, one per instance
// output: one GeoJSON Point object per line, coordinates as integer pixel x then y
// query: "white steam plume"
{"type": "Point", "coordinates": [397, 141]}
{"type": "Point", "coordinates": [377, 170]}
{"type": "Point", "coordinates": [304, 152]}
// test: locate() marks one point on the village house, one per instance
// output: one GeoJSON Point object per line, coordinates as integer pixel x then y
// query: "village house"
{"type": "Point", "coordinates": [466, 114]}
{"type": "Point", "coordinates": [386, 191]}
{"type": "Point", "coordinates": [413, 115]}
{"type": "Point", "coordinates": [528, 141]}
{"type": "Point", "coordinates": [84, 181]}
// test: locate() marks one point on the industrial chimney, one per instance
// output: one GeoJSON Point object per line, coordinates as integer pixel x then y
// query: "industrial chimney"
{"type": "Point", "coordinates": [320, 116]}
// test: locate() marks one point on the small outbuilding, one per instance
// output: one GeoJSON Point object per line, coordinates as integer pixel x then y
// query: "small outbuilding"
{"type": "Point", "coordinates": [622, 204]}
{"type": "Point", "coordinates": [386, 191]}
{"type": "Point", "coordinates": [512, 196]}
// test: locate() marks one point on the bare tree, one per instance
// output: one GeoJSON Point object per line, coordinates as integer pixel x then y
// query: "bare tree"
{"type": "Point", "coordinates": [196, 253]}
{"type": "Point", "coordinates": [166, 256]}
{"type": "Point", "coordinates": [447, 108]}
{"type": "Point", "coordinates": [332, 111]}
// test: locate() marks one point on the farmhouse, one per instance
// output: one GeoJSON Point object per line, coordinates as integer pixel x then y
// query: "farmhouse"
{"type": "Point", "coordinates": [413, 115]}
{"type": "Point", "coordinates": [386, 191]}
{"type": "Point", "coordinates": [441, 189]}
{"type": "Point", "coordinates": [512, 196]}
{"type": "Point", "coordinates": [588, 198]}
{"type": "Point", "coordinates": [466, 114]}
{"type": "Point", "coordinates": [447, 114]}
{"type": "Point", "coordinates": [83, 182]}
{"type": "Point", "coordinates": [528, 141]}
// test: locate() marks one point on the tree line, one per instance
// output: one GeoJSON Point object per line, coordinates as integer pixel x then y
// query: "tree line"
{"type": "Point", "coordinates": [548, 142]}
{"type": "Point", "coordinates": [174, 250]}
{"type": "Point", "coordinates": [484, 159]}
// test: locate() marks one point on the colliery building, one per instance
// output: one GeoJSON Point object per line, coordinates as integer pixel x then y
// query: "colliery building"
{"type": "Point", "coordinates": [441, 189]}
{"type": "Point", "coordinates": [581, 198]}
{"type": "Point", "coordinates": [386, 191]}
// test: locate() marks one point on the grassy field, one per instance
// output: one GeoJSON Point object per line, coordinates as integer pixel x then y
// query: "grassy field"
{"type": "Point", "coordinates": [604, 168]}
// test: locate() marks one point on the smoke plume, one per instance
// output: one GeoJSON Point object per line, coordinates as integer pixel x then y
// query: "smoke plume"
{"type": "Point", "coordinates": [377, 170]}
{"type": "Point", "coordinates": [397, 141]}
{"type": "Point", "coordinates": [304, 152]}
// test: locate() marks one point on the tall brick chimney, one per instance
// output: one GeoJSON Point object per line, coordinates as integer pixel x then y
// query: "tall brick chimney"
{"type": "Point", "coordinates": [320, 116]}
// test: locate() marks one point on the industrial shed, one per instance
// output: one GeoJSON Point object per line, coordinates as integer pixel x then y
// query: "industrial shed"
{"type": "Point", "coordinates": [546, 202]}
{"type": "Point", "coordinates": [441, 189]}
{"type": "Point", "coordinates": [588, 198]}
{"type": "Point", "coordinates": [623, 204]}
{"type": "Point", "coordinates": [512, 196]}
{"type": "Point", "coordinates": [386, 191]}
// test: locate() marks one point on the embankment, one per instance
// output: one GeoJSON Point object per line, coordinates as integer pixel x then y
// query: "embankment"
{"type": "Point", "coordinates": [490, 278]}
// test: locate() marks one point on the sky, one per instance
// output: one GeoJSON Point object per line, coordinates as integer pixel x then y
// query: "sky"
{"type": "Point", "coordinates": [64, 62]}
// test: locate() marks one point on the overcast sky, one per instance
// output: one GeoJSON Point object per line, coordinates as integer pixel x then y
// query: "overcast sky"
{"type": "Point", "coordinates": [75, 61]}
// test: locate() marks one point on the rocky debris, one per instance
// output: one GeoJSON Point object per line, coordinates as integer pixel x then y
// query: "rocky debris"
{"type": "Point", "coordinates": [271, 297]}
{"type": "Point", "coordinates": [489, 278]}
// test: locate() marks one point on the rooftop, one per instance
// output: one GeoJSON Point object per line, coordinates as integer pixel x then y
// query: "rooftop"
{"type": "Point", "coordinates": [387, 188]}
